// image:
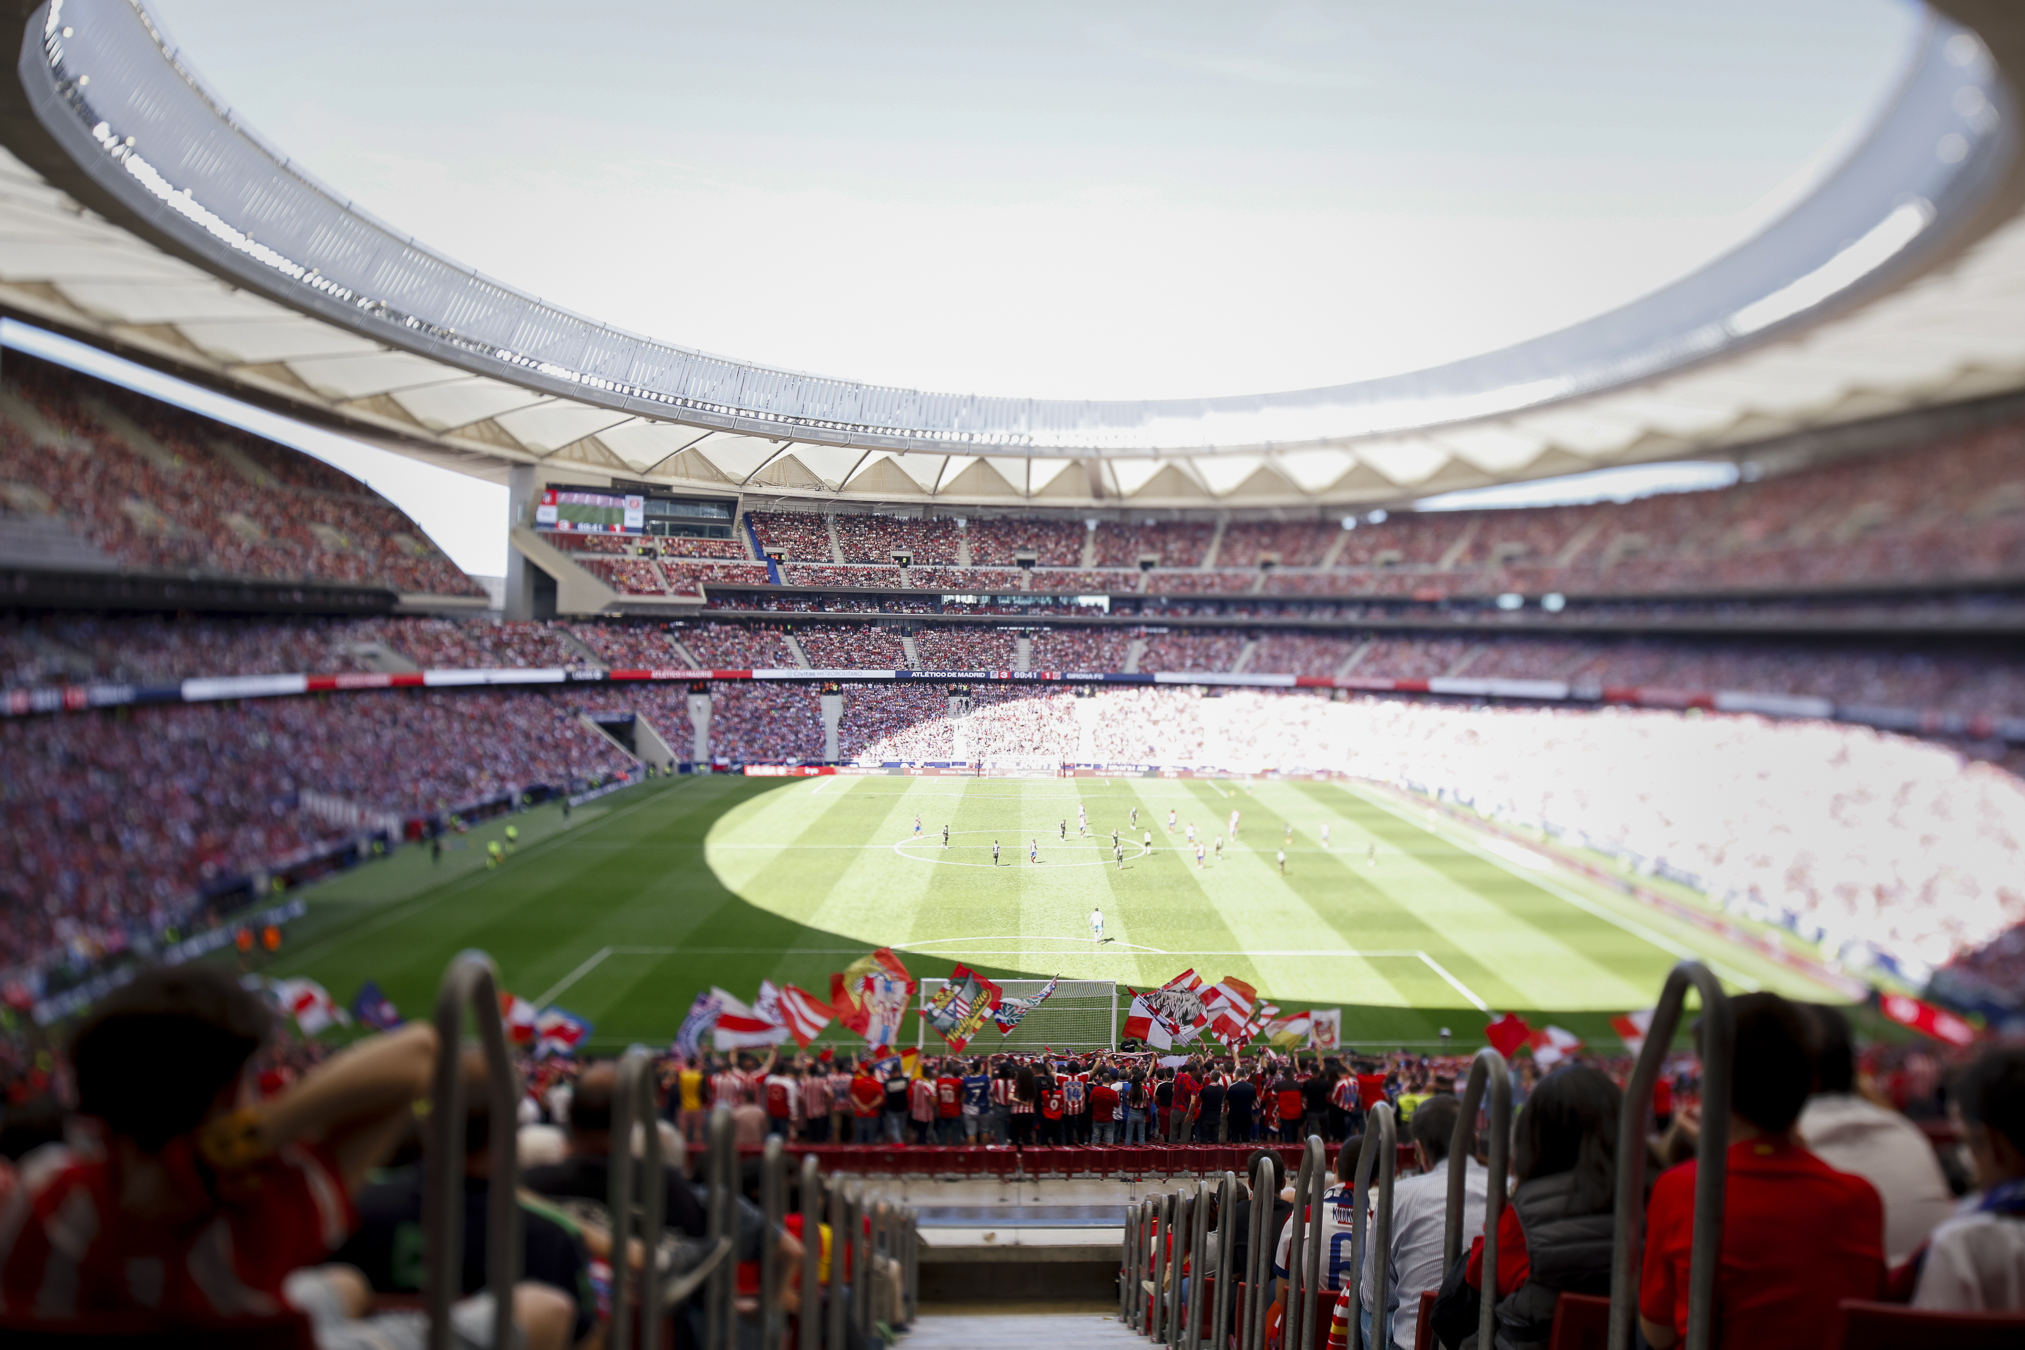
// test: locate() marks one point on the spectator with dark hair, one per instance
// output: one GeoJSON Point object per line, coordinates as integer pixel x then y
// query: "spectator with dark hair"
{"type": "Point", "coordinates": [1419, 1218]}
{"type": "Point", "coordinates": [1975, 1262]}
{"type": "Point", "coordinates": [195, 1200]}
{"type": "Point", "coordinates": [1241, 1235]}
{"type": "Point", "coordinates": [1555, 1236]}
{"type": "Point", "coordinates": [1853, 1134]}
{"type": "Point", "coordinates": [586, 1173]}
{"type": "Point", "coordinates": [1241, 1109]}
{"type": "Point", "coordinates": [1798, 1236]}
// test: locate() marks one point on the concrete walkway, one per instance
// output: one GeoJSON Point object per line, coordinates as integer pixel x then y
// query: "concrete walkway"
{"type": "Point", "coordinates": [1016, 1331]}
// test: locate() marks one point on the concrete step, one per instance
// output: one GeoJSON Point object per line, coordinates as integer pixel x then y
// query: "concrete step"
{"type": "Point", "coordinates": [1013, 1331]}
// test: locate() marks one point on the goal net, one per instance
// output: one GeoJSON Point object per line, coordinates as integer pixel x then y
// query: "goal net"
{"type": "Point", "coordinates": [1079, 1015]}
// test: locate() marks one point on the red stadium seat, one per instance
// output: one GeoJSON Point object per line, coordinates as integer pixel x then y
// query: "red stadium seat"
{"type": "Point", "coordinates": [1423, 1330]}
{"type": "Point", "coordinates": [121, 1331]}
{"type": "Point", "coordinates": [1581, 1322]}
{"type": "Point", "coordinates": [1889, 1326]}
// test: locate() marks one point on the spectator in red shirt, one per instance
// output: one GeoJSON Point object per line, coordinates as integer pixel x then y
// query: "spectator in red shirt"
{"type": "Point", "coordinates": [868, 1100]}
{"type": "Point", "coordinates": [1051, 1109]}
{"type": "Point", "coordinates": [949, 1104]}
{"type": "Point", "coordinates": [1798, 1236]}
{"type": "Point", "coordinates": [1186, 1091]}
{"type": "Point", "coordinates": [1287, 1100]}
{"type": "Point", "coordinates": [921, 1109]}
{"type": "Point", "coordinates": [1104, 1109]}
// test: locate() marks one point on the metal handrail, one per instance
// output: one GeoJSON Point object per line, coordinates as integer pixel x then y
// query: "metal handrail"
{"type": "Point", "coordinates": [1226, 1220]}
{"type": "Point", "coordinates": [1182, 1207]}
{"type": "Point", "coordinates": [1297, 1247]}
{"type": "Point", "coordinates": [633, 1104]}
{"type": "Point", "coordinates": [1386, 1157]}
{"type": "Point", "coordinates": [1198, 1278]}
{"type": "Point", "coordinates": [1163, 1217]}
{"type": "Point", "coordinates": [1487, 1068]}
{"type": "Point", "coordinates": [471, 981]}
{"type": "Point", "coordinates": [861, 1264]}
{"type": "Point", "coordinates": [720, 1326]}
{"type": "Point", "coordinates": [1309, 1269]}
{"type": "Point", "coordinates": [809, 1326]}
{"type": "Point", "coordinates": [1718, 1049]}
{"type": "Point", "coordinates": [1257, 1259]}
{"type": "Point", "coordinates": [840, 1217]}
{"type": "Point", "coordinates": [772, 1271]}
{"type": "Point", "coordinates": [1128, 1264]}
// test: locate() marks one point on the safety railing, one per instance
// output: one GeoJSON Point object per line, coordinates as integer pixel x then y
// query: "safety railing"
{"type": "Point", "coordinates": [1718, 1047]}
{"type": "Point", "coordinates": [1487, 1071]}
{"type": "Point", "coordinates": [471, 982]}
{"type": "Point", "coordinates": [1380, 1123]}
{"type": "Point", "coordinates": [633, 1105]}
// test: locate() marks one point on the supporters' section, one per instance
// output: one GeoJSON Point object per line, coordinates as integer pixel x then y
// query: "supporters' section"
{"type": "Point", "coordinates": [158, 490]}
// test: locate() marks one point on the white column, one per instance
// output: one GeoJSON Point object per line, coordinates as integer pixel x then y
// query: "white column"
{"type": "Point", "coordinates": [833, 713]}
{"type": "Point", "coordinates": [521, 490]}
{"type": "Point", "coordinates": [699, 718]}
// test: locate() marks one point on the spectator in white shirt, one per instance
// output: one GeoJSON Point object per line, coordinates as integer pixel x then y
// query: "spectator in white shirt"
{"type": "Point", "coordinates": [1975, 1262]}
{"type": "Point", "coordinates": [1853, 1134]}
{"type": "Point", "coordinates": [1419, 1215]}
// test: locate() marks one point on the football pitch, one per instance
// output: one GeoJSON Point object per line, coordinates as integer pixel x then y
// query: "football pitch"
{"type": "Point", "coordinates": [1408, 921]}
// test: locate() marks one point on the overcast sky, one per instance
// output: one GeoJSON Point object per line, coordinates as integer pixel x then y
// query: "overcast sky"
{"type": "Point", "coordinates": [1065, 199]}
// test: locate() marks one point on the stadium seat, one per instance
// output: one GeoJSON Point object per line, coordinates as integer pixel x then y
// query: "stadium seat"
{"type": "Point", "coordinates": [120, 1331]}
{"type": "Point", "coordinates": [1423, 1330]}
{"type": "Point", "coordinates": [1889, 1326]}
{"type": "Point", "coordinates": [1581, 1322]}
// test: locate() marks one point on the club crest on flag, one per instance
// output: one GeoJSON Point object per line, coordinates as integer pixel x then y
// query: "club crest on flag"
{"type": "Point", "coordinates": [1012, 1011]}
{"type": "Point", "coordinates": [957, 1011]}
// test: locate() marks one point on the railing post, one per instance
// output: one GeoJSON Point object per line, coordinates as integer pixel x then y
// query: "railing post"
{"type": "Point", "coordinates": [1297, 1247]}
{"type": "Point", "coordinates": [633, 1103]}
{"type": "Point", "coordinates": [720, 1323]}
{"type": "Point", "coordinates": [1163, 1218]}
{"type": "Point", "coordinates": [913, 1238]}
{"type": "Point", "coordinates": [1385, 1154]}
{"type": "Point", "coordinates": [470, 982]}
{"type": "Point", "coordinates": [1487, 1068]}
{"type": "Point", "coordinates": [1258, 1260]}
{"type": "Point", "coordinates": [1311, 1267]}
{"type": "Point", "coordinates": [861, 1265]}
{"type": "Point", "coordinates": [1198, 1276]}
{"type": "Point", "coordinates": [1718, 1048]}
{"type": "Point", "coordinates": [809, 1323]}
{"type": "Point", "coordinates": [840, 1217]}
{"type": "Point", "coordinates": [1226, 1224]}
{"type": "Point", "coordinates": [772, 1272]}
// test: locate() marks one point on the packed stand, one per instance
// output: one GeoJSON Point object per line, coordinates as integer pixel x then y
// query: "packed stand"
{"type": "Point", "coordinates": [731, 646]}
{"type": "Point", "coordinates": [117, 821]}
{"type": "Point", "coordinates": [765, 724]}
{"type": "Point", "coordinates": [627, 576]}
{"type": "Point", "coordinates": [1176, 543]}
{"type": "Point", "coordinates": [883, 722]}
{"type": "Point", "coordinates": [163, 490]}
{"type": "Point", "coordinates": [481, 644]}
{"type": "Point", "coordinates": [1194, 649]}
{"type": "Point", "coordinates": [631, 646]}
{"type": "Point", "coordinates": [968, 647]}
{"type": "Point", "coordinates": [688, 577]}
{"type": "Point", "coordinates": [1081, 649]}
{"type": "Point", "coordinates": [1057, 582]}
{"type": "Point", "coordinates": [799, 536]}
{"type": "Point", "coordinates": [875, 539]}
{"type": "Point", "coordinates": [61, 649]}
{"type": "Point", "coordinates": [999, 541]}
{"type": "Point", "coordinates": [1283, 653]}
{"type": "Point", "coordinates": [851, 646]}
{"type": "Point", "coordinates": [1288, 543]}
{"type": "Point", "coordinates": [840, 576]}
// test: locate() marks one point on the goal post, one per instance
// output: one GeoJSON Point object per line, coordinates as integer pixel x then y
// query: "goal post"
{"type": "Point", "coordinates": [1079, 1015]}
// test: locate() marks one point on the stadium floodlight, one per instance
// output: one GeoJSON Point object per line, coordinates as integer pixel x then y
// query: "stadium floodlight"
{"type": "Point", "coordinates": [1511, 600]}
{"type": "Point", "coordinates": [1349, 522]}
{"type": "Point", "coordinates": [1553, 602]}
{"type": "Point", "coordinates": [1377, 517]}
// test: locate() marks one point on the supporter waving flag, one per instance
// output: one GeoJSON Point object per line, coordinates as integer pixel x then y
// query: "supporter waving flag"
{"type": "Point", "coordinates": [559, 1033]}
{"type": "Point", "coordinates": [374, 1009]}
{"type": "Point", "coordinates": [804, 1013]}
{"type": "Point", "coordinates": [1506, 1033]}
{"type": "Point", "coordinates": [1291, 1030]}
{"type": "Point", "coordinates": [700, 1021]}
{"type": "Point", "coordinates": [308, 1003]}
{"type": "Point", "coordinates": [1010, 1012]}
{"type": "Point", "coordinates": [1551, 1045]}
{"type": "Point", "coordinates": [1169, 1015]}
{"type": "Point", "coordinates": [871, 995]}
{"type": "Point", "coordinates": [739, 1027]}
{"type": "Point", "coordinates": [518, 1015]}
{"type": "Point", "coordinates": [958, 1010]}
{"type": "Point", "coordinates": [1632, 1029]}
{"type": "Point", "coordinates": [1230, 1003]}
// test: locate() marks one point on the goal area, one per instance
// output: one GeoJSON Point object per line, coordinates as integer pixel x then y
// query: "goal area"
{"type": "Point", "coordinates": [1079, 1015]}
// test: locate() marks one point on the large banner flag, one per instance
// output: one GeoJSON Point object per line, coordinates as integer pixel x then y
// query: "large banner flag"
{"type": "Point", "coordinates": [1632, 1029]}
{"type": "Point", "coordinates": [306, 1001]}
{"type": "Point", "coordinates": [958, 1010]}
{"type": "Point", "coordinates": [374, 1009]}
{"type": "Point", "coordinates": [1169, 1015]}
{"type": "Point", "coordinates": [1236, 1012]}
{"type": "Point", "coordinates": [742, 1028]}
{"type": "Point", "coordinates": [1506, 1033]}
{"type": "Point", "coordinates": [699, 1022]}
{"type": "Point", "coordinates": [518, 1015]}
{"type": "Point", "coordinates": [1012, 1011]}
{"type": "Point", "coordinates": [1926, 1019]}
{"type": "Point", "coordinates": [871, 997]}
{"type": "Point", "coordinates": [1325, 1029]}
{"type": "Point", "coordinates": [1551, 1045]}
{"type": "Point", "coordinates": [559, 1033]}
{"type": "Point", "coordinates": [1292, 1030]}
{"type": "Point", "coordinates": [805, 1014]}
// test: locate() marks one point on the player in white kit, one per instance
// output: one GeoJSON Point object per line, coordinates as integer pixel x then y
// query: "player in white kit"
{"type": "Point", "coordinates": [1233, 825]}
{"type": "Point", "coordinates": [1096, 925]}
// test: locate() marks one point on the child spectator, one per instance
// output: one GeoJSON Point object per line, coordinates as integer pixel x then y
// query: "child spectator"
{"type": "Point", "coordinates": [1798, 1236]}
{"type": "Point", "coordinates": [1976, 1261]}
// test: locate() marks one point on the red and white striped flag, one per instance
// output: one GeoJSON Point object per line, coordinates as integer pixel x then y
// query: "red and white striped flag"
{"type": "Point", "coordinates": [1231, 1005]}
{"type": "Point", "coordinates": [519, 1016]}
{"type": "Point", "coordinates": [805, 1014]}
{"type": "Point", "coordinates": [1551, 1045]}
{"type": "Point", "coordinates": [740, 1027]}
{"type": "Point", "coordinates": [1631, 1028]}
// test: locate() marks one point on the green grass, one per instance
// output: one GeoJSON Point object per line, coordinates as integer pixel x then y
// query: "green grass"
{"type": "Point", "coordinates": [650, 894]}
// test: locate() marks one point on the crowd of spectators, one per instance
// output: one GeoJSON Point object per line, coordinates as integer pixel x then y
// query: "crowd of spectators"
{"type": "Point", "coordinates": [116, 820]}
{"type": "Point", "coordinates": [631, 646]}
{"type": "Point", "coordinates": [1081, 649]}
{"type": "Point", "coordinates": [1288, 543]}
{"type": "Point", "coordinates": [682, 546]}
{"type": "Point", "coordinates": [162, 490]}
{"type": "Point", "coordinates": [1215, 581]}
{"type": "Point", "coordinates": [151, 649]}
{"type": "Point", "coordinates": [867, 576]}
{"type": "Point", "coordinates": [1175, 543]}
{"type": "Point", "coordinates": [876, 538]}
{"type": "Point", "coordinates": [798, 536]}
{"type": "Point", "coordinates": [628, 576]}
{"type": "Point", "coordinates": [736, 646]}
{"type": "Point", "coordinates": [451, 644]}
{"type": "Point", "coordinates": [1195, 649]}
{"type": "Point", "coordinates": [1000, 541]}
{"type": "Point", "coordinates": [895, 722]}
{"type": "Point", "coordinates": [765, 723]}
{"type": "Point", "coordinates": [966, 647]}
{"type": "Point", "coordinates": [1057, 581]}
{"type": "Point", "coordinates": [851, 646]}
{"type": "Point", "coordinates": [688, 578]}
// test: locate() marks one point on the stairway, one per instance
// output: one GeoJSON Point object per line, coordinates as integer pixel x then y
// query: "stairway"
{"type": "Point", "coordinates": [1015, 1331]}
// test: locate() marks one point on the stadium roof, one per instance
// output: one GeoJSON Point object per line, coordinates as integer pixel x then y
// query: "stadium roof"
{"type": "Point", "coordinates": [138, 213]}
